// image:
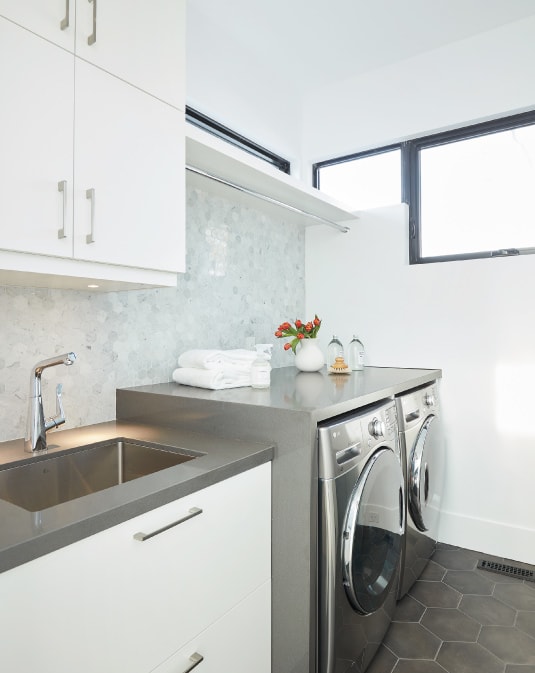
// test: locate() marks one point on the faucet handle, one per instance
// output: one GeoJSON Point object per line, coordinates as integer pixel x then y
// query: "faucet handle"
{"type": "Point", "coordinates": [59, 418]}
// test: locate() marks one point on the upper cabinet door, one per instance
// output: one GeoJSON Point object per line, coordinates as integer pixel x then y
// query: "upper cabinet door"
{"type": "Point", "coordinates": [138, 41]}
{"type": "Point", "coordinates": [36, 143]}
{"type": "Point", "coordinates": [134, 163]}
{"type": "Point", "coordinates": [51, 19]}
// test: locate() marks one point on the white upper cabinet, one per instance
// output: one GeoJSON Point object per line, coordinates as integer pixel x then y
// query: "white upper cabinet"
{"type": "Point", "coordinates": [138, 41]}
{"type": "Point", "coordinates": [134, 163]}
{"type": "Point", "coordinates": [92, 168]}
{"type": "Point", "coordinates": [52, 19]}
{"type": "Point", "coordinates": [36, 129]}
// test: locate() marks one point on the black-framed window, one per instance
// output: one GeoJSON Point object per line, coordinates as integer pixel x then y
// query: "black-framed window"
{"type": "Point", "coordinates": [215, 128]}
{"type": "Point", "coordinates": [364, 180]}
{"type": "Point", "coordinates": [470, 191]}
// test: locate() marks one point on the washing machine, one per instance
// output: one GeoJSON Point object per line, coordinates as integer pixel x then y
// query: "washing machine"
{"type": "Point", "coordinates": [421, 441]}
{"type": "Point", "coordinates": [360, 530]}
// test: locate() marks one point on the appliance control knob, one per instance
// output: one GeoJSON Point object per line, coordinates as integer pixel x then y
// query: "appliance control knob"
{"type": "Point", "coordinates": [376, 428]}
{"type": "Point", "coordinates": [429, 400]}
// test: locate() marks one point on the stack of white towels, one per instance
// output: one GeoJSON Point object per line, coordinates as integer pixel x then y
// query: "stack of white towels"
{"type": "Point", "coordinates": [215, 369]}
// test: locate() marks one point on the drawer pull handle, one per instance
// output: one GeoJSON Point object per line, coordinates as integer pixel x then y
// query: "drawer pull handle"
{"type": "Point", "coordinates": [195, 659]}
{"type": "Point", "coordinates": [93, 37]}
{"type": "Point", "coordinates": [194, 511]}
{"type": "Point", "coordinates": [62, 188]}
{"type": "Point", "coordinates": [65, 22]}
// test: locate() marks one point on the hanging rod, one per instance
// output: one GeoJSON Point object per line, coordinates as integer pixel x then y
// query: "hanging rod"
{"type": "Point", "coordinates": [251, 192]}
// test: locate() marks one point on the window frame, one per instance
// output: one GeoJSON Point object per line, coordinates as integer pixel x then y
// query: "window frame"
{"type": "Point", "coordinates": [352, 157]}
{"type": "Point", "coordinates": [411, 185]}
{"type": "Point", "coordinates": [208, 124]}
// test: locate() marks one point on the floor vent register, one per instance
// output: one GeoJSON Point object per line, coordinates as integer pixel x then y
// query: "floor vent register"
{"type": "Point", "coordinates": [510, 571]}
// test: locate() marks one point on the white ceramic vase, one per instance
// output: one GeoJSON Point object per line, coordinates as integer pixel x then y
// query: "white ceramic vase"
{"type": "Point", "coordinates": [309, 357]}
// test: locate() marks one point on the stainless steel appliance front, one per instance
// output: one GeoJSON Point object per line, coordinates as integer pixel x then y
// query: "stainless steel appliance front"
{"type": "Point", "coordinates": [361, 524]}
{"type": "Point", "coordinates": [423, 459]}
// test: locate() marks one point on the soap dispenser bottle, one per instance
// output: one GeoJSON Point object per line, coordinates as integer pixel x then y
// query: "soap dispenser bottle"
{"type": "Point", "coordinates": [261, 367]}
{"type": "Point", "coordinates": [356, 354]}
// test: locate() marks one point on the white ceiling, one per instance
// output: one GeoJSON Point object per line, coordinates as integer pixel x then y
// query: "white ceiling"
{"type": "Point", "coordinates": [310, 43]}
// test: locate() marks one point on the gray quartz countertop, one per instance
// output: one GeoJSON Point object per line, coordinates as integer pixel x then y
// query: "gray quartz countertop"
{"type": "Point", "coordinates": [27, 535]}
{"type": "Point", "coordinates": [319, 394]}
{"type": "Point", "coordinates": [286, 413]}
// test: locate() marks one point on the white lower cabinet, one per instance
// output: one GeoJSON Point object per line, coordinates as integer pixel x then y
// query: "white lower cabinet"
{"type": "Point", "coordinates": [239, 642]}
{"type": "Point", "coordinates": [112, 602]}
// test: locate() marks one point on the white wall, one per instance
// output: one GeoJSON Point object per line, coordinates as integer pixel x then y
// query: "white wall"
{"type": "Point", "coordinates": [240, 90]}
{"type": "Point", "coordinates": [471, 80]}
{"type": "Point", "coordinates": [475, 321]}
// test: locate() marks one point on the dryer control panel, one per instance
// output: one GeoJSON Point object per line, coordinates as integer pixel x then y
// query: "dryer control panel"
{"type": "Point", "coordinates": [349, 439]}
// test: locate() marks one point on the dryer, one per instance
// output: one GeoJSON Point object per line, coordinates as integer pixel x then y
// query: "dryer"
{"type": "Point", "coordinates": [360, 530]}
{"type": "Point", "coordinates": [423, 458]}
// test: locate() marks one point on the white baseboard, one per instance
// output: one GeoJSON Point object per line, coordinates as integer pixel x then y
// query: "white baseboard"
{"type": "Point", "coordinates": [490, 537]}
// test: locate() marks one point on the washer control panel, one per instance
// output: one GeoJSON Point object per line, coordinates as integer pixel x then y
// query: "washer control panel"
{"type": "Point", "coordinates": [415, 405]}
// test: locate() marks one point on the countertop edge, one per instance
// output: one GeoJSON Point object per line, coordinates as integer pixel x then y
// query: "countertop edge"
{"type": "Point", "coordinates": [101, 517]}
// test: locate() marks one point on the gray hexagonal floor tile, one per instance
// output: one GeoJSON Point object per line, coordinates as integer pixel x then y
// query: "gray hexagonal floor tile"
{"type": "Point", "coordinates": [433, 571]}
{"type": "Point", "coordinates": [509, 644]}
{"type": "Point", "coordinates": [468, 658]}
{"type": "Point", "coordinates": [435, 594]}
{"type": "Point", "coordinates": [505, 619]}
{"type": "Point", "coordinates": [383, 662]}
{"type": "Point", "coordinates": [451, 624]}
{"type": "Point", "coordinates": [411, 641]}
{"type": "Point", "coordinates": [456, 559]}
{"type": "Point", "coordinates": [525, 621]}
{"type": "Point", "coordinates": [409, 610]}
{"type": "Point", "coordinates": [516, 595]}
{"type": "Point", "coordinates": [422, 666]}
{"type": "Point", "coordinates": [488, 611]}
{"type": "Point", "coordinates": [469, 582]}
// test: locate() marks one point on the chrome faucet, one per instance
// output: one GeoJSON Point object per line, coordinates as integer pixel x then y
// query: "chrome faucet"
{"type": "Point", "coordinates": [37, 426]}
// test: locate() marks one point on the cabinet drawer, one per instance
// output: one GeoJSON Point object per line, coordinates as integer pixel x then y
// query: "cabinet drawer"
{"type": "Point", "coordinates": [239, 642]}
{"type": "Point", "coordinates": [112, 602]}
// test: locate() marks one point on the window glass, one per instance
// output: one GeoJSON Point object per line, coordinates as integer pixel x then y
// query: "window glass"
{"type": "Point", "coordinates": [478, 194]}
{"type": "Point", "coordinates": [364, 182]}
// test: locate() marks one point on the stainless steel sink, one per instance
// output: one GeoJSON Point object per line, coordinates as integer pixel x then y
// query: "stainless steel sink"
{"type": "Point", "coordinates": [40, 484]}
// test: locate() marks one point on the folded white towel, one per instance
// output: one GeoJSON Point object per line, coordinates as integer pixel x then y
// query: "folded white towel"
{"type": "Point", "coordinates": [237, 358]}
{"type": "Point", "coordinates": [215, 379]}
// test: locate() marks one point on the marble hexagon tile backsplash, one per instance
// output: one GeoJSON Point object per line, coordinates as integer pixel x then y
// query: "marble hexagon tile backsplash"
{"type": "Point", "coordinates": [245, 274]}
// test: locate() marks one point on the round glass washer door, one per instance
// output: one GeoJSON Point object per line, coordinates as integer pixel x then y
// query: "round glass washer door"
{"type": "Point", "coordinates": [425, 474]}
{"type": "Point", "coordinates": [372, 533]}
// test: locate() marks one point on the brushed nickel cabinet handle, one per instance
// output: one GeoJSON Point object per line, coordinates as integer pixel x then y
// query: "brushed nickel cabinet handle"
{"type": "Point", "coordinates": [90, 194]}
{"type": "Point", "coordinates": [65, 22]}
{"type": "Point", "coordinates": [93, 37]}
{"type": "Point", "coordinates": [195, 659]}
{"type": "Point", "coordinates": [194, 511]}
{"type": "Point", "coordinates": [62, 188]}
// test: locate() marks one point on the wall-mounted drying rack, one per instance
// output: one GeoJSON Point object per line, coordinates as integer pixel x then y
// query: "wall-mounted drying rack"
{"type": "Point", "coordinates": [214, 159]}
